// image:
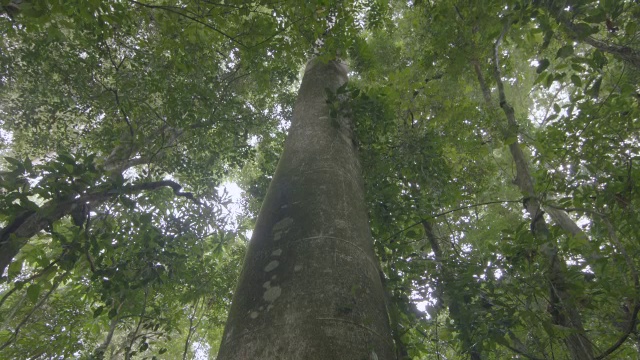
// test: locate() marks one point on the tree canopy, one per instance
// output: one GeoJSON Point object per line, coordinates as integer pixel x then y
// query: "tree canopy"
{"type": "Point", "coordinates": [498, 140]}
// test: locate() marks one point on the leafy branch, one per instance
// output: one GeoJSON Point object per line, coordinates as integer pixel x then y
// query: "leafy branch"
{"type": "Point", "coordinates": [15, 234]}
{"type": "Point", "coordinates": [173, 10]}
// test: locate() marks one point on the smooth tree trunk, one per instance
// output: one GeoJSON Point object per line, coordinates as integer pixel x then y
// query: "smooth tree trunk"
{"type": "Point", "coordinates": [310, 287]}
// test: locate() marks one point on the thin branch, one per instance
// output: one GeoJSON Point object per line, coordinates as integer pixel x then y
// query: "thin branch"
{"type": "Point", "coordinates": [45, 270]}
{"type": "Point", "coordinates": [172, 10]}
{"type": "Point", "coordinates": [124, 113]}
{"type": "Point", "coordinates": [448, 212]}
{"type": "Point", "coordinates": [135, 333]}
{"type": "Point", "coordinates": [33, 310]}
{"type": "Point", "coordinates": [636, 282]}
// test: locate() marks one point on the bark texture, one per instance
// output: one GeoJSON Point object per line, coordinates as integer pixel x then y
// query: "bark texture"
{"type": "Point", "coordinates": [310, 286]}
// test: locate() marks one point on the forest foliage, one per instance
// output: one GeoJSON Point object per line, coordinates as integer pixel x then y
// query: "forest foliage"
{"type": "Point", "coordinates": [499, 142]}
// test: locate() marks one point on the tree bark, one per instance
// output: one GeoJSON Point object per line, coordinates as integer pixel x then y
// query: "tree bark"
{"type": "Point", "coordinates": [310, 287]}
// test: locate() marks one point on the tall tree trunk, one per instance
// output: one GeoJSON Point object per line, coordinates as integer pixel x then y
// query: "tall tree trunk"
{"type": "Point", "coordinates": [561, 305]}
{"type": "Point", "coordinates": [310, 286]}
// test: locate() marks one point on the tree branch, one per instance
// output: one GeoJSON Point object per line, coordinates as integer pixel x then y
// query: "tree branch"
{"type": "Point", "coordinates": [561, 309]}
{"type": "Point", "coordinates": [172, 10]}
{"type": "Point", "coordinates": [448, 212]}
{"type": "Point", "coordinates": [36, 307]}
{"type": "Point", "coordinates": [19, 231]}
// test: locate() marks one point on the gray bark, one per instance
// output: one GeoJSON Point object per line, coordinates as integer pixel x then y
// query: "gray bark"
{"type": "Point", "coordinates": [310, 287]}
{"type": "Point", "coordinates": [562, 219]}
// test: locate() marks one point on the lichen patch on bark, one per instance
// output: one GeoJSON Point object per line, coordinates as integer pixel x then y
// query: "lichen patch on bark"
{"type": "Point", "coordinates": [272, 265]}
{"type": "Point", "coordinates": [272, 294]}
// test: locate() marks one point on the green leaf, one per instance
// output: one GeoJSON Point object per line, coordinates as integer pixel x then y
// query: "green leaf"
{"type": "Point", "coordinates": [15, 268]}
{"type": "Point", "coordinates": [599, 59]}
{"type": "Point", "coordinates": [544, 64]}
{"type": "Point", "coordinates": [15, 162]}
{"type": "Point", "coordinates": [510, 140]}
{"type": "Point", "coordinates": [577, 67]}
{"type": "Point", "coordinates": [594, 90]}
{"type": "Point", "coordinates": [548, 35]}
{"type": "Point", "coordinates": [575, 79]}
{"type": "Point", "coordinates": [597, 16]}
{"type": "Point", "coordinates": [565, 51]}
{"type": "Point", "coordinates": [33, 292]}
{"type": "Point", "coordinates": [583, 30]}
{"type": "Point", "coordinates": [630, 29]}
{"type": "Point", "coordinates": [549, 80]}
{"type": "Point", "coordinates": [28, 165]}
{"type": "Point", "coordinates": [98, 311]}
{"type": "Point", "coordinates": [113, 313]}
{"type": "Point", "coordinates": [66, 159]}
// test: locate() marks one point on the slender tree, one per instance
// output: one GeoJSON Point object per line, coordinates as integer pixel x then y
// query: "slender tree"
{"type": "Point", "coordinates": [310, 287]}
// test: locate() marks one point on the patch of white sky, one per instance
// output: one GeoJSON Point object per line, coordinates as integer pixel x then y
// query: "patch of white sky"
{"type": "Point", "coordinates": [201, 350]}
{"type": "Point", "coordinates": [234, 209]}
